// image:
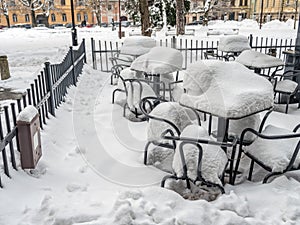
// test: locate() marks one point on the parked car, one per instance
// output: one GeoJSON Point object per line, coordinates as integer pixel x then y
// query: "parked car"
{"type": "Point", "coordinates": [196, 22]}
{"type": "Point", "coordinates": [68, 25]}
{"type": "Point", "coordinates": [125, 23]}
{"type": "Point", "coordinates": [57, 25]}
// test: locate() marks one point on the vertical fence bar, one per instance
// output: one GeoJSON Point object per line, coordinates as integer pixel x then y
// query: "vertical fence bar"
{"type": "Point", "coordinates": [14, 116]}
{"type": "Point", "coordinates": [11, 146]}
{"type": "Point", "coordinates": [49, 88]}
{"type": "Point", "coordinates": [73, 69]}
{"type": "Point", "coordinates": [4, 155]}
{"type": "Point", "coordinates": [93, 54]}
{"type": "Point", "coordinates": [29, 96]}
{"type": "Point", "coordinates": [41, 99]}
{"type": "Point", "coordinates": [45, 93]}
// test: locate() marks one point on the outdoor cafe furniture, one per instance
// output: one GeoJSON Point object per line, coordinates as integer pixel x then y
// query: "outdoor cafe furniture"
{"type": "Point", "coordinates": [230, 46]}
{"type": "Point", "coordinates": [199, 158]}
{"type": "Point", "coordinates": [158, 63]}
{"type": "Point", "coordinates": [226, 90]}
{"type": "Point", "coordinates": [258, 61]}
{"type": "Point", "coordinates": [233, 45]}
{"type": "Point", "coordinates": [287, 85]}
{"type": "Point", "coordinates": [132, 47]}
{"type": "Point", "coordinates": [275, 149]}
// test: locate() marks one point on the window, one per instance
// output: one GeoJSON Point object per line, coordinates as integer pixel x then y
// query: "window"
{"type": "Point", "coordinates": [109, 7]}
{"type": "Point", "coordinates": [123, 7]}
{"type": "Point", "coordinates": [15, 18]}
{"type": "Point", "coordinates": [53, 19]}
{"type": "Point", "coordinates": [27, 18]}
{"type": "Point", "coordinates": [241, 2]}
{"type": "Point", "coordinates": [232, 2]}
{"type": "Point", "coordinates": [85, 16]}
{"type": "Point", "coordinates": [63, 2]}
{"type": "Point", "coordinates": [78, 17]}
{"type": "Point", "coordinates": [246, 2]}
{"type": "Point", "coordinates": [64, 17]}
{"type": "Point", "coordinates": [267, 5]}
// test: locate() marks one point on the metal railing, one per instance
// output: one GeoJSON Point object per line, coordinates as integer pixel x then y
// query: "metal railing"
{"type": "Point", "coordinates": [45, 93]}
{"type": "Point", "coordinates": [192, 50]}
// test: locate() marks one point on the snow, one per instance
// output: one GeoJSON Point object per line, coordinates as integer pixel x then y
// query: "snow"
{"type": "Point", "coordinates": [229, 90]}
{"type": "Point", "coordinates": [286, 86]}
{"type": "Point", "coordinates": [213, 160]}
{"type": "Point", "coordinates": [137, 45]}
{"type": "Point", "coordinates": [27, 114]}
{"type": "Point", "coordinates": [276, 154]}
{"type": "Point", "coordinates": [258, 60]}
{"type": "Point", "coordinates": [91, 171]}
{"type": "Point", "coordinates": [233, 43]}
{"type": "Point", "coordinates": [159, 60]}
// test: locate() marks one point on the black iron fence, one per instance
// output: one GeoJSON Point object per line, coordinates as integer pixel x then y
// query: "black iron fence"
{"type": "Point", "coordinates": [45, 93]}
{"type": "Point", "coordinates": [192, 50]}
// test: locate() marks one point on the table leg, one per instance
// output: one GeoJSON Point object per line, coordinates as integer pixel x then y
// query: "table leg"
{"type": "Point", "coordinates": [156, 85]}
{"type": "Point", "coordinates": [222, 129]}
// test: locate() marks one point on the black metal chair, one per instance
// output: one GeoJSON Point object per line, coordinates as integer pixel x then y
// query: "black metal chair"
{"type": "Point", "coordinates": [147, 105]}
{"type": "Point", "coordinates": [287, 85]}
{"type": "Point", "coordinates": [198, 144]}
{"type": "Point", "coordinates": [272, 144]}
{"type": "Point", "coordinates": [211, 54]}
{"type": "Point", "coordinates": [115, 72]}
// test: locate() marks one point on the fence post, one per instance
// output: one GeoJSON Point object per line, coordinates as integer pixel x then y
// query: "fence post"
{"type": "Point", "coordinates": [93, 54]}
{"type": "Point", "coordinates": [49, 88]}
{"type": "Point", "coordinates": [251, 40]}
{"type": "Point", "coordinates": [173, 43]}
{"type": "Point", "coordinates": [84, 50]}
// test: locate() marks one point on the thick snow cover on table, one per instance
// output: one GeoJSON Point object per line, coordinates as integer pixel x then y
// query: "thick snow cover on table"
{"type": "Point", "coordinates": [137, 45]}
{"type": "Point", "coordinates": [226, 89]}
{"type": "Point", "coordinates": [233, 43]}
{"type": "Point", "coordinates": [65, 189]}
{"type": "Point", "coordinates": [159, 60]}
{"type": "Point", "coordinates": [27, 114]}
{"type": "Point", "coordinates": [258, 60]}
{"type": "Point", "coordinates": [213, 161]}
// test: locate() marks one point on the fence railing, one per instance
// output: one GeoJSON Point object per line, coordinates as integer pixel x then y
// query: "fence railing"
{"type": "Point", "coordinates": [45, 93]}
{"type": "Point", "coordinates": [192, 50]}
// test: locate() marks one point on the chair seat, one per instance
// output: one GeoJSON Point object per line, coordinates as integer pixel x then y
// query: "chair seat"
{"type": "Point", "coordinates": [214, 159]}
{"type": "Point", "coordinates": [287, 86]}
{"type": "Point", "coordinates": [275, 154]}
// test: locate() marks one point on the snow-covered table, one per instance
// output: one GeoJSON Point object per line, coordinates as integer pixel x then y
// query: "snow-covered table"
{"type": "Point", "coordinates": [137, 45]}
{"type": "Point", "coordinates": [257, 60]}
{"type": "Point", "coordinates": [233, 44]}
{"type": "Point", "coordinates": [159, 61]}
{"type": "Point", "coordinates": [227, 90]}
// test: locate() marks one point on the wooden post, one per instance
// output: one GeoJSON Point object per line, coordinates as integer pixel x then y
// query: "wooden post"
{"type": "Point", "coordinates": [4, 69]}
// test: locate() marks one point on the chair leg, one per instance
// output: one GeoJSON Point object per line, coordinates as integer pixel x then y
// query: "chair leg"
{"type": "Point", "coordinates": [287, 104]}
{"type": "Point", "coordinates": [231, 165]}
{"type": "Point", "coordinates": [251, 170]}
{"type": "Point", "coordinates": [270, 175]}
{"type": "Point", "coordinates": [237, 165]}
{"type": "Point", "coordinates": [162, 184]}
{"type": "Point", "coordinates": [146, 152]}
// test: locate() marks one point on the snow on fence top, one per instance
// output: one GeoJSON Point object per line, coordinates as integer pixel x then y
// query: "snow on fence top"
{"type": "Point", "coordinates": [226, 89]}
{"type": "Point", "coordinates": [137, 45]}
{"type": "Point", "coordinates": [159, 60]}
{"type": "Point", "coordinates": [233, 43]}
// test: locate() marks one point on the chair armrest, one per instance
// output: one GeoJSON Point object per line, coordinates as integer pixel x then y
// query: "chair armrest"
{"type": "Point", "coordinates": [262, 124]}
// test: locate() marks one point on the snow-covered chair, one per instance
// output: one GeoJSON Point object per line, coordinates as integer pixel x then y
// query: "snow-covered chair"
{"type": "Point", "coordinates": [287, 85]}
{"type": "Point", "coordinates": [165, 118]}
{"type": "Point", "coordinates": [198, 158]}
{"type": "Point", "coordinates": [275, 149]}
{"type": "Point", "coordinates": [136, 90]}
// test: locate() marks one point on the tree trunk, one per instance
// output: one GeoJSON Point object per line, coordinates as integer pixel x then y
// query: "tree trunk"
{"type": "Point", "coordinates": [144, 10]}
{"type": "Point", "coordinates": [179, 17]}
{"type": "Point", "coordinates": [7, 21]}
{"type": "Point", "coordinates": [33, 19]}
{"type": "Point", "coordinates": [98, 16]}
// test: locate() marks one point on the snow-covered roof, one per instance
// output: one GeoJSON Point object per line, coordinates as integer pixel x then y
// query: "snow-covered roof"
{"type": "Point", "coordinates": [233, 43]}
{"type": "Point", "coordinates": [159, 60]}
{"type": "Point", "coordinates": [137, 45]}
{"type": "Point", "coordinates": [226, 89]}
{"type": "Point", "coordinates": [258, 60]}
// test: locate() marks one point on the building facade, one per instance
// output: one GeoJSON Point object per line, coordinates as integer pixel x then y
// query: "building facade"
{"type": "Point", "coordinates": [60, 13]}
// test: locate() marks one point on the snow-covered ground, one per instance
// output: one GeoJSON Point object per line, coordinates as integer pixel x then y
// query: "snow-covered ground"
{"type": "Point", "coordinates": [92, 172]}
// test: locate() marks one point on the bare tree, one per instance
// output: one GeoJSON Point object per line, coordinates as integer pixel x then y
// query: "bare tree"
{"type": "Point", "coordinates": [180, 17]}
{"type": "Point", "coordinates": [96, 6]}
{"type": "Point", "coordinates": [4, 11]}
{"type": "Point", "coordinates": [32, 6]}
{"type": "Point", "coordinates": [145, 21]}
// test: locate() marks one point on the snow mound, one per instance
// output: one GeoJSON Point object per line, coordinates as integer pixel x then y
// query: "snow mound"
{"type": "Point", "coordinates": [233, 43]}
{"type": "Point", "coordinates": [137, 45]}
{"type": "Point", "coordinates": [159, 60]}
{"type": "Point", "coordinates": [232, 90]}
{"type": "Point", "coordinates": [275, 24]}
{"type": "Point", "coordinates": [213, 160]}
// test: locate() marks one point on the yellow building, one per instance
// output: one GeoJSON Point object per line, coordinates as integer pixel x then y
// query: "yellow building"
{"type": "Point", "coordinates": [61, 13]}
